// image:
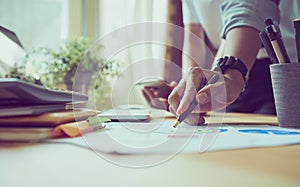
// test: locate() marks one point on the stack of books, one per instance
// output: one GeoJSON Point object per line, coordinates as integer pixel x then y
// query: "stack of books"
{"type": "Point", "coordinates": [31, 112]}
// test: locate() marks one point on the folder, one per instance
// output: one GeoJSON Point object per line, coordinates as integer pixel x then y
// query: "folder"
{"type": "Point", "coordinates": [27, 134]}
{"type": "Point", "coordinates": [50, 119]}
{"type": "Point", "coordinates": [30, 110]}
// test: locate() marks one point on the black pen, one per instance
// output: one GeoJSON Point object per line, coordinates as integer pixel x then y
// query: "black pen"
{"type": "Point", "coordinates": [297, 36]}
{"type": "Point", "coordinates": [270, 21]}
{"type": "Point", "coordinates": [194, 103]}
{"type": "Point", "coordinates": [268, 46]}
{"type": "Point", "coordinates": [274, 35]}
{"type": "Point", "coordinates": [266, 41]}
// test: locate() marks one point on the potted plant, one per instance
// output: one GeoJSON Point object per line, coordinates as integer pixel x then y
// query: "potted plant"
{"type": "Point", "coordinates": [74, 56]}
{"type": "Point", "coordinates": [19, 73]}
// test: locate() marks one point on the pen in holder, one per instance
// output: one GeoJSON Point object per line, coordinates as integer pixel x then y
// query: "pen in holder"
{"type": "Point", "coordinates": [297, 36]}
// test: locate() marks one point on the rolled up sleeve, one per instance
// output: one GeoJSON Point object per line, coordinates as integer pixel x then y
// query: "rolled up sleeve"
{"type": "Point", "coordinates": [249, 13]}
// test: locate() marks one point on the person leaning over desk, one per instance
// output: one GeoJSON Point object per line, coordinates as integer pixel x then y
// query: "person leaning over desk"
{"type": "Point", "coordinates": [230, 29]}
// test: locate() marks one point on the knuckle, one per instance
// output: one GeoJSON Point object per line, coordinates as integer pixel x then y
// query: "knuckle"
{"type": "Point", "coordinates": [195, 71]}
{"type": "Point", "coordinates": [170, 99]}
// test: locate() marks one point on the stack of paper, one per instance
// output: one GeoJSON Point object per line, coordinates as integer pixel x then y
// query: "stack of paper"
{"type": "Point", "coordinates": [29, 111]}
{"type": "Point", "coordinates": [32, 112]}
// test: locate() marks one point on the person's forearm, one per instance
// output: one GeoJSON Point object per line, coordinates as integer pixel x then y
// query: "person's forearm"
{"type": "Point", "coordinates": [198, 50]}
{"type": "Point", "coordinates": [173, 57]}
{"type": "Point", "coordinates": [243, 43]}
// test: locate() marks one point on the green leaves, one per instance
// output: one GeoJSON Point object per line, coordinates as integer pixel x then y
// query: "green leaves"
{"type": "Point", "coordinates": [57, 68]}
{"type": "Point", "coordinates": [72, 51]}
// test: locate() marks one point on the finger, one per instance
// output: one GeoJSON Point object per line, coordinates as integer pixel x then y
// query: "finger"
{"type": "Point", "coordinates": [212, 97]}
{"type": "Point", "coordinates": [172, 110]}
{"type": "Point", "coordinates": [146, 96]}
{"type": "Point", "coordinates": [180, 87]}
{"type": "Point", "coordinates": [175, 96]}
{"type": "Point", "coordinates": [196, 80]}
{"type": "Point", "coordinates": [195, 119]}
{"type": "Point", "coordinates": [173, 84]}
{"type": "Point", "coordinates": [187, 99]}
{"type": "Point", "coordinates": [174, 101]}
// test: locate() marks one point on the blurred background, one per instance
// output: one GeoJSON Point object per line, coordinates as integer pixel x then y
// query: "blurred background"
{"type": "Point", "coordinates": [50, 23]}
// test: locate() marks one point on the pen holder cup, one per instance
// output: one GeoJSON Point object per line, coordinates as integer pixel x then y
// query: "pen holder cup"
{"type": "Point", "coordinates": [286, 88]}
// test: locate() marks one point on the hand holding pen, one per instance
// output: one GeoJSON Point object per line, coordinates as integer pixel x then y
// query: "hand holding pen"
{"type": "Point", "coordinates": [202, 91]}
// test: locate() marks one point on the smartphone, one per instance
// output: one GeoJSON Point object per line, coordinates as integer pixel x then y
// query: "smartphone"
{"type": "Point", "coordinates": [161, 87]}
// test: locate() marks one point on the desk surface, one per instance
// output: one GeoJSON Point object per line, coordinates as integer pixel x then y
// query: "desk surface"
{"type": "Point", "coordinates": [67, 165]}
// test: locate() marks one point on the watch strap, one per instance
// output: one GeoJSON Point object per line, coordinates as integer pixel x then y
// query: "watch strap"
{"type": "Point", "coordinates": [230, 62]}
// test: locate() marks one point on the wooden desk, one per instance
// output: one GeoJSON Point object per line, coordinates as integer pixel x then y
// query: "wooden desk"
{"type": "Point", "coordinates": [66, 165]}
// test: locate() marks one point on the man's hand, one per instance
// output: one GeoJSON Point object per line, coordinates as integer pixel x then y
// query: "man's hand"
{"type": "Point", "coordinates": [211, 97]}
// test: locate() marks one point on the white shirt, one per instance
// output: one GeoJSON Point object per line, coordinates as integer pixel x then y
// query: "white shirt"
{"type": "Point", "coordinates": [217, 17]}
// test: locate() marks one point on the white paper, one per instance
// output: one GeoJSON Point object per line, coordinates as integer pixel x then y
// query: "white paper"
{"type": "Point", "coordinates": [162, 138]}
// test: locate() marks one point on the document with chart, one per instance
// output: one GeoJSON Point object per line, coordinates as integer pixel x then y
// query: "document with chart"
{"type": "Point", "coordinates": [151, 138]}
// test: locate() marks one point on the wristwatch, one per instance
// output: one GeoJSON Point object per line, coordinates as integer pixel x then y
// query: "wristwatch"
{"type": "Point", "coordinates": [230, 62]}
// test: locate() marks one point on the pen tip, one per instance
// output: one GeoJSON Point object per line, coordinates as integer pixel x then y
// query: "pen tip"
{"type": "Point", "coordinates": [176, 123]}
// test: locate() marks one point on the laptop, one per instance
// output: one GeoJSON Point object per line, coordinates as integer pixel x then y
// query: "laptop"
{"type": "Point", "coordinates": [12, 51]}
{"type": "Point", "coordinates": [11, 35]}
{"type": "Point", "coordinates": [18, 92]}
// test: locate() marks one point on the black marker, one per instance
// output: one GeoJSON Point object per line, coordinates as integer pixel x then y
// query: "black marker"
{"type": "Point", "coordinates": [268, 46]}
{"type": "Point", "coordinates": [271, 22]}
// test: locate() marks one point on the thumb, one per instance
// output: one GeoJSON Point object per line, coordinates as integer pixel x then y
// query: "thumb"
{"type": "Point", "coordinates": [214, 95]}
{"type": "Point", "coordinates": [203, 97]}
